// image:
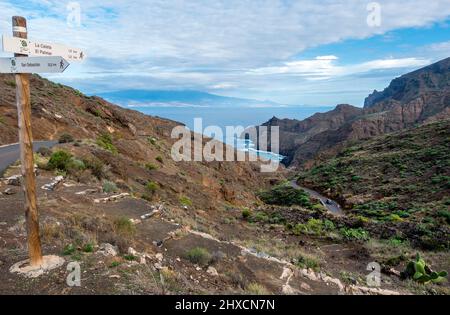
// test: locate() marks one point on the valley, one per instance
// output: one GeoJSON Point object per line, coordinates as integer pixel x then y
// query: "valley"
{"type": "Point", "coordinates": [361, 189]}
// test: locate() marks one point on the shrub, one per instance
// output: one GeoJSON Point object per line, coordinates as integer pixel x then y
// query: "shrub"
{"type": "Point", "coordinates": [96, 166]}
{"type": "Point", "coordinates": [356, 178]}
{"type": "Point", "coordinates": [329, 225]}
{"type": "Point", "coordinates": [151, 166]}
{"type": "Point", "coordinates": [124, 226]}
{"type": "Point", "coordinates": [11, 83]}
{"type": "Point", "coordinates": [307, 262]}
{"type": "Point", "coordinates": [69, 250]}
{"type": "Point", "coordinates": [129, 257]}
{"type": "Point", "coordinates": [354, 234]}
{"type": "Point", "coordinates": [152, 187]}
{"type": "Point", "coordinates": [59, 160]}
{"type": "Point", "coordinates": [76, 165]}
{"type": "Point", "coordinates": [114, 264]}
{"type": "Point", "coordinates": [65, 138]}
{"type": "Point", "coordinates": [395, 218]}
{"type": "Point", "coordinates": [109, 187]}
{"type": "Point", "coordinates": [151, 140]}
{"type": "Point", "coordinates": [160, 159]}
{"type": "Point", "coordinates": [319, 207]}
{"type": "Point", "coordinates": [105, 141]}
{"type": "Point", "coordinates": [246, 213]}
{"type": "Point", "coordinates": [88, 248]}
{"type": "Point", "coordinates": [284, 195]}
{"type": "Point", "coordinates": [185, 201]}
{"type": "Point", "coordinates": [312, 227]}
{"type": "Point", "coordinates": [260, 217]}
{"type": "Point", "coordinates": [445, 214]}
{"type": "Point", "coordinates": [199, 255]}
{"type": "Point", "coordinates": [256, 289]}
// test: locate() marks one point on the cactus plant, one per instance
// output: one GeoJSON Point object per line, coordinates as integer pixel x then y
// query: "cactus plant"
{"type": "Point", "coordinates": [420, 272]}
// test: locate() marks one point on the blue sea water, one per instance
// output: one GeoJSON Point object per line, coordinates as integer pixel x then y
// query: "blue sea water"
{"type": "Point", "coordinates": [222, 117]}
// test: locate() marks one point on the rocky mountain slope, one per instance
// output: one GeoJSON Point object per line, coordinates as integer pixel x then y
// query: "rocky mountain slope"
{"type": "Point", "coordinates": [419, 97]}
{"type": "Point", "coordinates": [401, 180]}
{"type": "Point", "coordinates": [111, 198]}
{"type": "Point", "coordinates": [134, 148]}
{"type": "Point", "coordinates": [428, 80]}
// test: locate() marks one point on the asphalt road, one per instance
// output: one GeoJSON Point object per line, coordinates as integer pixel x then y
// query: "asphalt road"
{"type": "Point", "coordinates": [331, 205]}
{"type": "Point", "coordinates": [11, 153]}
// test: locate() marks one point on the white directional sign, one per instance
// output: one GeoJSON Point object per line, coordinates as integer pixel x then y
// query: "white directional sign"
{"type": "Point", "coordinates": [33, 48]}
{"type": "Point", "coordinates": [33, 65]}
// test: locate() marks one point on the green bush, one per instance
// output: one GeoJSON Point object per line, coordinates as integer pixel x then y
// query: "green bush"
{"type": "Point", "coordinates": [114, 264]}
{"type": "Point", "coordinates": [66, 138]}
{"type": "Point", "coordinates": [129, 257]}
{"type": "Point", "coordinates": [105, 141]}
{"type": "Point", "coordinates": [354, 234]}
{"type": "Point", "coordinates": [445, 214]}
{"type": "Point", "coordinates": [395, 218]}
{"type": "Point", "coordinates": [160, 159]}
{"type": "Point", "coordinates": [152, 187]}
{"type": "Point", "coordinates": [11, 83]}
{"type": "Point", "coordinates": [124, 226]}
{"type": "Point", "coordinates": [65, 162]}
{"type": "Point", "coordinates": [69, 249]}
{"type": "Point", "coordinates": [109, 187]}
{"type": "Point", "coordinates": [356, 178]}
{"type": "Point", "coordinates": [256, 289]}
{"type": "Point", "coordinates": [185, 201]}
{"type": "Point", "coordinates": [260, 217]}
{"type": "Point", "coordinates": [88, 248]}
{"type": "Point", "coordinates": [96, 166]}
{"type": "Point", "coordinates": [76, 165]}
{"type": "Point", "coordinates": [199, 255]}
{"type": "Point", "coordinates": [312, 227]}
{"type": "Point", "coordinates": [285, 195]}
{"type": "Point", "coordinates": [59, 160]}
{"type": "Point", "coordinates": [246, 213]}
{"type": "Point", "coordinates": [151, 166]}
{"type": "Point", "coordinates": [307, 262]}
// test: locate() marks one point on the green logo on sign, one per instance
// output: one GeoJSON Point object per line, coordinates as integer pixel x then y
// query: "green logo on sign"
{"type": "Point", "coordinates": [24, 43]}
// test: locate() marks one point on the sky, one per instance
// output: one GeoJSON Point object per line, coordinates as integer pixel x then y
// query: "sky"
{"type": "Point", "coordinates": [297, 52]}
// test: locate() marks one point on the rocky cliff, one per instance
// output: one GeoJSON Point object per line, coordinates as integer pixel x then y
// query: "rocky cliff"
{"type": "Point", "coordinates": [420, 97]}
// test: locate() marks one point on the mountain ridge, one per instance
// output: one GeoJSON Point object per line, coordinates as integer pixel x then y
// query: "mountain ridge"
{"type": "Point", "coordinates": [384, 112]}
{"type": "Point", "coordinates": [141, 97]}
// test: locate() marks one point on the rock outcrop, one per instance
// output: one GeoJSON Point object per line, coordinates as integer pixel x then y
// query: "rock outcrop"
{"type": "Point", "coordinates": [419, 97]}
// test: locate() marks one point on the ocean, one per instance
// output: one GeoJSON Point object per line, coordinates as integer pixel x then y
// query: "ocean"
{"type": "Point", "coordinates": [222, 117]}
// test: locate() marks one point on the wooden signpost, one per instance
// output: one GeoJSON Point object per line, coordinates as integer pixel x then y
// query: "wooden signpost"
{"type": "Point", "coordinates": [33, 65]}
{"type": "Point", "coordinates": [21, 65]}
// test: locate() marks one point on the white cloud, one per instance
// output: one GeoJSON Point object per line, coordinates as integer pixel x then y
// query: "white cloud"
{"type": "Point", "coordinates": [214, 44]}
{"type": "Point", "coordinates": [325, 67]}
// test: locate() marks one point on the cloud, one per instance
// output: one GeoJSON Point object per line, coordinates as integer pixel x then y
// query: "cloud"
{"type": "Point", "coordinates": [214, 44]}
{"type": "Point", "coordinates": [325, 67]}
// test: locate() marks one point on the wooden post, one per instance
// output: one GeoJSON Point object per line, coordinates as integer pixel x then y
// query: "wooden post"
{"type": "Point", "coordinates": [19, 25]}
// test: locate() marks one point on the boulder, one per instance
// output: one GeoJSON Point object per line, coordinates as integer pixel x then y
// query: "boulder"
{"type": "Point", "coordinates": [13, 180]}
{"type": "Point", "coordinates": [108, 250]}
{"type": "Point", "coordinates": [212, 271]}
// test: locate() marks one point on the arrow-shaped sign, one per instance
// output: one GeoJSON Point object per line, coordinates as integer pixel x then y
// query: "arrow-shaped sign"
{"type": "Point", "coordinates": [33, 65]}
{"type": "Point", "coordinates": [34, 48]}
